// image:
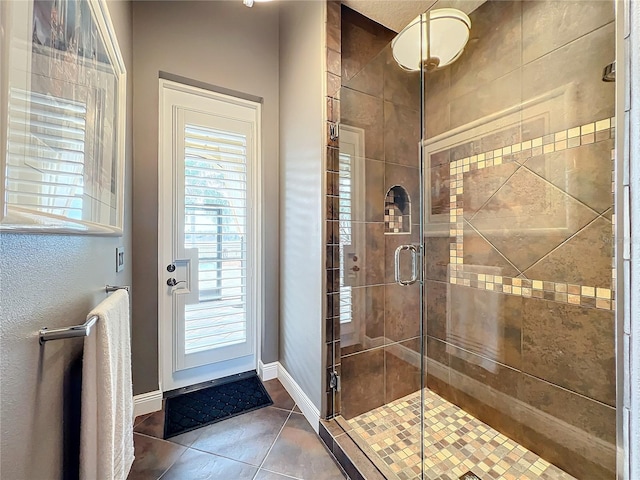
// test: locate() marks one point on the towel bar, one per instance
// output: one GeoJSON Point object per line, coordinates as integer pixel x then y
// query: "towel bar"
{"type": "Point", "coordinates": [78, 330]}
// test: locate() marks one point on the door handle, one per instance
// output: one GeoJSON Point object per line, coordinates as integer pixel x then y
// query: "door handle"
{"type": "Point", "coordinates": [414, 264]}
{"type": "Point", "coordinates": [172, 282]}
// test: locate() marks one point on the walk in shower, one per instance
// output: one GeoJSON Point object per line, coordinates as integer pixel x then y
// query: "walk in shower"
{"type": "Point", "coordinates": [470, 270]}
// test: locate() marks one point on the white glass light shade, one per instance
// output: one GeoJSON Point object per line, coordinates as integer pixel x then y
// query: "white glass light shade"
{"type": "Point", "coordinates": [447, 34]}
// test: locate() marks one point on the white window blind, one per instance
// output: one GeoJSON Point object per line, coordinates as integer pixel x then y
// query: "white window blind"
{"type": "Point", "coordinates": [345, 173]}
{"type": "Point", "coordinates": [46, 154]}
{"type": "Point", "coordinates": [215, 181]}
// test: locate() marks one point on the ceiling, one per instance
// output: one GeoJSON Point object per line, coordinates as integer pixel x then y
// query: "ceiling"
{"type": "Point", "coordinates": [397, 14]}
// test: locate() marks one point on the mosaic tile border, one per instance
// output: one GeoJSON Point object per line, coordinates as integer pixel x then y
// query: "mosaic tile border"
{"type": "Point", "coordinates": [583, 295]}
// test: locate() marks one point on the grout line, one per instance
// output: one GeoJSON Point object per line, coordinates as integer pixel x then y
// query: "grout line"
{"type": "Point", "coordinates": [560, 189]}
{"type": "Point", "coordinates": [186, 449]}
{"type": "Point", "coordinates": [479, 209]}
{"type": "Point", "coordinates": [277, 473]}
{"type": "Point", "coordinates": [492, 246]}
{"type": "Point", "coordinates": [561, 245]}
{"type": "Point", "coordinates": [398, 342]}
{"type": "Point", "coordinates": [274, 442]}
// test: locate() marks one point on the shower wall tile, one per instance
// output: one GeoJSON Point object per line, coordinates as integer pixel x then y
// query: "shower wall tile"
{"type": "Point", "coordinates": [484, 403]}
{"type": "Point", "coordinates": [333, 155]}
{"type": "Point", "coordinates": [486, 323]}
{"type": "Point", "coordinates": [583, 172]}
{"type": "Point", "coordinates": [333, 109]}
{"type": "Point", "coordinates": [367, 320]}
{"type": "Point", "coordinates": [366, 112]}
{"type": "Point", "coordinates": [507, 136]}
{"type": "Point", "coordinates": [333, 85]}
{"type": "Point", "coordinates": [437, 99]}
{"type": "Point", "coordinates": [570, 346]}
{"type": "Point", "coordinates": [436, 305]}
{"type": "Point", "coordinates": [567, 263]}
{"type": "Point", "coordinates": [334, 40]}
{"type": "Point", "coordinates": [368, 245]}
{"type": "Point", "coordinates": [370, 79]}
{"type": "Point", "coordinates": [481, 185]}
{"type": "Point", "coordinates": [401, 134]}
{"type": "Point", "coordinates": [334, 14]}
{"type": "Point", "coordinates": [592, 418]}
{"type": "Point", "coordinates": [362, 382]}
{"type": "Point", "coordinates": [401, 312]}
{"type": "Point", "coordinates": [486, 374]}
{"type": "Point", "coordinates": [402, 369]}
{"type": "Point", "coordinates": [333, 61]}
{"type": "Point", "coordinates": [528, 217]}
{"type": "Point", "coordinates": [561, 22]}
{"type": "Point", "coordinates": [499, 94]}
{"type": "Point", "coordinates": [576, 69]}
{"type": "Point", "coordinates": [479, 252]}
{"type": "Point", "coordinates": [493, 51]}
{"type": "Point", "coordinates": [437, 257]}
{"type": "Point", "coordinates": [401, 87]}
{"type": "Point", "coordinates": [374, 192]}
{"type": "Point", "coordinates": [362, 41]}
{"type": "Point", "coordinates": [439, 178]}
{"type": "Point", "coordinates": [331, 402]}
{"type": "Point", "coordinates": [576, 463]}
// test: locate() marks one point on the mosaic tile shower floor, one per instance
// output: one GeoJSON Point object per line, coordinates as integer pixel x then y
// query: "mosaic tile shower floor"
{"type": "Point", "coordinates": [455, 443]}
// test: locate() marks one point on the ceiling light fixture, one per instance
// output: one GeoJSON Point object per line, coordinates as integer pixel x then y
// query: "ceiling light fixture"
{"type": "Point", "coordinates": [249, 3]}
{"type": "Point", "coordinates": [432, 40]}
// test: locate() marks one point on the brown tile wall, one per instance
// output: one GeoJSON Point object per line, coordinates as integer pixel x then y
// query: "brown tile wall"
{"type": "Point", "coordinates": [332, 307]}
{"type": "Point", "coordinates": [532, 365]}
{"type": "Point", "coordinates": [519, 356]}
{"type": "Point", "coordinates": [380, 360]}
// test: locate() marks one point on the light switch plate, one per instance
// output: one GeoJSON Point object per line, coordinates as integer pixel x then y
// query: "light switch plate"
{"type": "Point", "coordinates": [119, 259]}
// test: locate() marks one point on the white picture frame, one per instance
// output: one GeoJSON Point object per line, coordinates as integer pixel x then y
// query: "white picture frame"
{"type": "Point", "coordinates": [64, 119]}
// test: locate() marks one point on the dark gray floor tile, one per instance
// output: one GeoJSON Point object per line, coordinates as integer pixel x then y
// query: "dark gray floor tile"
{"type": "Point", "coordinates": [246, 438]}
{"type": "Point", "coordinates": [299, 452]}
{"type": "Point", "coordinates": [196, 465]}
{"type": "Point", "coordinates": [187, 438]}
{"type": "Point", "coordinates": [153, 457]}
{"type": "Point", "coordinates": [280, 397]}
{"type": "Point", "coordinates": [267, 475]}
{"type": "Point", "coordinates": [152, 425]}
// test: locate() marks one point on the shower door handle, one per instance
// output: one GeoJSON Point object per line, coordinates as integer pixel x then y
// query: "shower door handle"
{"type": "Point", "coordinates": [414, 264]}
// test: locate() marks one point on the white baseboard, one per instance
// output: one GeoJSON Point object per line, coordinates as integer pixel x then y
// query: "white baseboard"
{"type": "Point", "coordinates": [267, 371]}
{"type": "Point", "coordinates": [309, 410]}
{"type": "Point", "coordinates": [147, 403]}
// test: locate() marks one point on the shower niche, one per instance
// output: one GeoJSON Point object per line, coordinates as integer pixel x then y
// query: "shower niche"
{"type": "Point", "coordinates": [397, 211]}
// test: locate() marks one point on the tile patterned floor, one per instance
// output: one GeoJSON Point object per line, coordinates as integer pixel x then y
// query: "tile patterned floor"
{"type": "Point", "coordinates": [455, 443]}
{"type": "Point", "coordinates": [272, 443]}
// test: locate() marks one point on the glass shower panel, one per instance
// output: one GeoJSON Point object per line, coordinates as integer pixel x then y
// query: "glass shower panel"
{"type": "Point", "coordinates": [379, 210]}
{"type": "Point", "coordinates": [518, 151]}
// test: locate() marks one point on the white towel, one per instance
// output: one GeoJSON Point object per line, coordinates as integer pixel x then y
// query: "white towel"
{"type": "Point", "coordinates": [106, 428]}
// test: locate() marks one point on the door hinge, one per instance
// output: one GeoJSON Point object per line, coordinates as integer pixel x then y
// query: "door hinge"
{"type": "Point", "coordinates": [334, 131]}
{"type": "Point", "coordinates": [334, 381]}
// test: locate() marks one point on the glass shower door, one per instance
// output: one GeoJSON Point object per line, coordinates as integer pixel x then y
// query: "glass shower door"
{"type": "Point", "coordinates": [379, 215]}
{"type": "Point", "coordinates": [518, 147]}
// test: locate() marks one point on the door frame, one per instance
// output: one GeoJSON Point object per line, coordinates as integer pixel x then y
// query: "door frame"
{"type": "Point", "coordinates": [165, 212]}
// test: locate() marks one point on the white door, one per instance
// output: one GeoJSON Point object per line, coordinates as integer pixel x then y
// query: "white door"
{"type": "Point", "coordinates": [208, 235]}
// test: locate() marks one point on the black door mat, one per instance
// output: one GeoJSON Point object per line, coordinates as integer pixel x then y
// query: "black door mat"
{"type": "Point", "coordinates": [199, 408]}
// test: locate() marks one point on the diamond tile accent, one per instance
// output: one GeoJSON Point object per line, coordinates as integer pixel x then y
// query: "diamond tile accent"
{"type": "Point", "coordinates": [598, 131]}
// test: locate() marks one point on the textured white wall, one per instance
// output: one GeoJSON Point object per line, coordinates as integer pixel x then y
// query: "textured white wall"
{"type": "Point", "coordinates": [52, 281]}
{"type": "Point", "coordinates": [301, 193]}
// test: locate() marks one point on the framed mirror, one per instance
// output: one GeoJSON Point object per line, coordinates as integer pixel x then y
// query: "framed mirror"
{"type": "Point", "coordinates": [64, 111]}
